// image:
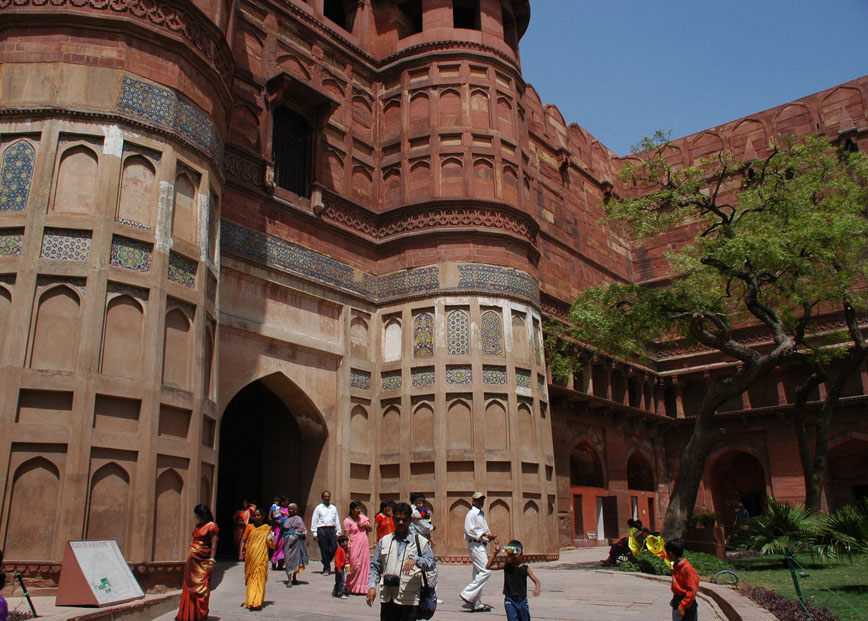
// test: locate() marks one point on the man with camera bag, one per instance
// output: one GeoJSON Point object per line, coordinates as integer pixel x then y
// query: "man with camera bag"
{"type": "Point", "coordinates": [400, 563]}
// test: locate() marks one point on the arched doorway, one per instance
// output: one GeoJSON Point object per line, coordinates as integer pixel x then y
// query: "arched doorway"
{"type": "Point", "coordinates": [737, 477]}
{"type": "Point", "coordinates": [268, 448]}
{"type": "Point", "coordinates": [595, 513]}
{"type": "Point", "coordinates": [640, 483]}
{"type": "Point", "coordinates": [847, 473]}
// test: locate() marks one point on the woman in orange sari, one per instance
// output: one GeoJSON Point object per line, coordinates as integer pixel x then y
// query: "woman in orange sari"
{"type": "Point", "coordinates": [197, 570]}
{"type": "Point", "coordinates": [257, 541]}
{"type": "Point", "coordinates": [241, 518]}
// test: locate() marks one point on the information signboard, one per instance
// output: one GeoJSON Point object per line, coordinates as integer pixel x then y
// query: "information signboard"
{"type": "Point", "coordinates": [95, 573]}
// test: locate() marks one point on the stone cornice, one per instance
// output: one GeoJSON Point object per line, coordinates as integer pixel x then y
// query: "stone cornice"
{"type": "Point", "coordinates": [174, 18]}
{"type": "Point", "coordinates": [429, 216]}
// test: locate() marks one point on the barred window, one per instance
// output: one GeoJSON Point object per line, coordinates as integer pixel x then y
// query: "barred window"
{"type": "Point", "coordinates": [292, 151]}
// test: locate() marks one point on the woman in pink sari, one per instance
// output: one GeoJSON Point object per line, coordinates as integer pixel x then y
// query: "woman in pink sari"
{"type": "Point", "coordinates": [279, 511]}
{"type": "Point", "coordinates": [356, 527]}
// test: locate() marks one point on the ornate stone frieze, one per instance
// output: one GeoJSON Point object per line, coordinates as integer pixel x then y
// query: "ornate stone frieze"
{"type": "Point", "coordinates": [382, 227]}
{"type": "Point", "coordinates": [182, 270]}
{"type": "Point", "coordinates": [360, 379]}
{"type": "Point", "coordinates": [172, 17]}
{"type": "Point", "coordinates": [11, 241]}
{"type": "Point", "coordinates": [66, 245]}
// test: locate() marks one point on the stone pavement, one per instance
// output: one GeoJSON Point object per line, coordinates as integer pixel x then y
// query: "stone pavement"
{"type": "Point", "coordinates": [572, 588]}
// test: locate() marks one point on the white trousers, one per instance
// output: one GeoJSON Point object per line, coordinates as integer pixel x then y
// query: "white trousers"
{"type": "Point", "coordinates": [473, 591]}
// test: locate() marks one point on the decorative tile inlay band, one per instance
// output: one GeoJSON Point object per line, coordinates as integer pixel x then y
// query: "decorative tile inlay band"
{"type": "Point", "coordinates": [131, 254]}
{"type": "Point", "coordinates": [182, 270]}
{"type": "Point", "coordinates": [10, 242]}
{"type": "Point", "coordinates": [517, 320]}
{"type": "Point", "coordinates": [493, 375]}
{"type": "Point", "coordinates": [459, 374]}
{"type": "Point", "coordinates": [66, 245]}
{"type": "Point", "coordinates": [401, 283]}
{"type": "Point", "coordinates": [498, 279]}
{"type": "Point", "coordinates": [423, 335]}
{"type": "Point", "coordinates": [163, 107]}
{"type": "Point", "coordinates": [135, 224]}
{"type": "Point", "coordinates": [16, 173]}
{"type": "Point", "coordinates": [306, 263]}
{"type": "Point", "coordinates": [360, 379]}
{"type": "Point", "coordinates": [391, 380]}
{"type": "Point", "coordinates": [522, 378]}
{"type": "Point", "coordinates": [423, 376]}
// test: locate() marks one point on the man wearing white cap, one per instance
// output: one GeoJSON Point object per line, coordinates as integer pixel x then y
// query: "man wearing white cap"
{"type": "Point", "coordinates": [477, 535]}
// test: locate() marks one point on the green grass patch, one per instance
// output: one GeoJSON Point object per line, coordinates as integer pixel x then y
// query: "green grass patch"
{"type": "Point", "coordinates": [833, 585]}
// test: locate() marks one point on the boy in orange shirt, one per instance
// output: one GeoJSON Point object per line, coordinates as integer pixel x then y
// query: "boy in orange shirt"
{"type": "Point", "coordinates": [342, 566]}
{"type": "Point", "coordinates": [685, 583]}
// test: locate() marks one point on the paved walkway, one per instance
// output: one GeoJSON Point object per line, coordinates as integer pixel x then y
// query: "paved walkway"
{"type": "Point", "coordinates": [572, 588]}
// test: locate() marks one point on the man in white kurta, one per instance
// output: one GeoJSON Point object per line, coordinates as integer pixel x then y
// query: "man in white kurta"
{"type": "Point", "coordinates": [477, 534]}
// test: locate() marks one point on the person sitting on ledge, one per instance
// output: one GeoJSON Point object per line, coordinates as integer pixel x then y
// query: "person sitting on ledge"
{"type": "Point", "coordinates": [622, 546]}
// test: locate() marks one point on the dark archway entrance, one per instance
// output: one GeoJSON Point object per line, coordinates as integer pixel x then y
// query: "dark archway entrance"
{"type": "Point", "coordinates": [267, 449]}
{"type": "Point", "coordinates": [737, 477]}
{"type": "Point", "coordinates": [847, 474]}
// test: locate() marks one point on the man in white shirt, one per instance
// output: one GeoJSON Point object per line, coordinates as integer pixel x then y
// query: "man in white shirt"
{"type": "Point", "coordinates": [477, 535]}
{"type": "Point", "coordinates": [326, 526]}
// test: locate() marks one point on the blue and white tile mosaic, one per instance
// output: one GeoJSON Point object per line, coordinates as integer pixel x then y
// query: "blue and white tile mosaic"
{"type": "Point", "coordinates": [360, 379]}
{"type": "Point", "coordinates": [492, 333]}
{"type": "Point", "coordinates": [10, 242]}
{"type": "Point", "coordinates": [522, 378]}
{"type": "Point", "coordinates": [131, 254]}
{"type": "Point", "coordinates": [517, 320]}
{"type": "Point", "coordinates": [498, 279]}
{"type": "Point", "coordinates": [16, 173]}
{"type": "Point", "coordinates": [306, 263]}
{"type": "Point", "coordinates": [405, 282]}
{"type": "Point", "coordinates": [163, 107]}
{"type": "Point", "coordinates": [66, 245]}
{"type": "Point", "coordinates": [457, 333]}
{"type": "Point", "coordinates": [493, 375]}
{"type": "Point", "coordinates": [459, 374]}
{"type": "Point", "coordinates": [135, 224]}
{"type": "Point", "coordinates": [391, 380]}
{"type": "Point", "coordinates": [423, 376]}
{"type": "Point", "coordinates": [182, 270]}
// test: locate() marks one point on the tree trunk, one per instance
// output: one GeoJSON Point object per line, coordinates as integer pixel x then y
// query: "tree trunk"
{"type": "Point", "coordinates": [683, 497]}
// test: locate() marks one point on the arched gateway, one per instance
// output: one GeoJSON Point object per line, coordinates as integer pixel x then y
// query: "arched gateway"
{"type": "Point", "coordinates": [272, 441]}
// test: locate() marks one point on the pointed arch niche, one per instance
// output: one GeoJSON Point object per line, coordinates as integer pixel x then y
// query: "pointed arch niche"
{"type": "Point", "coordinates": [496, 423]}
{"type": "Point", "coordinates": [36, 483]}
{"type": "Point", "coordinates": [455, 527]}
{"type": "Point", "coordinates": [392, 339]}
{"type": "Point", "coordinates": [184, 206]}
{"type": "Point", "coordinates": [360, 432]}
{"type": "Point", "coordinates": [167, 516]}
{"type": "Point", "coordinates": [177, 342]}
{"type": "Point", "coordinates": [459, 430]}
{"type": "Point", "coordinates": [75, 188]}
{"type": "Point", "coordinates": [121, 353]}
{"type": "Point", "coordinates": [136, 192]}
{"type": "Point", "coordinates": [56, 329]}
{"type": "Point", "coordinates": [390, 429]}
{"type": "Point", "coordinates": [423, 426]}
{"type": "Point", "coordinates": [108, 504]}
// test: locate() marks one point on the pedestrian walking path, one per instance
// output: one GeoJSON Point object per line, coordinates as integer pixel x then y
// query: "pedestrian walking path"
{"type": "Point", "coordinates": [572, 588]}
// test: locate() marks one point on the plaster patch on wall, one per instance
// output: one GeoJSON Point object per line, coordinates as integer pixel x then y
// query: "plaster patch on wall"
{"type": "Point", "coordinates": [114, 140]}
{"type": "Point", "coordinates": [163, 232]}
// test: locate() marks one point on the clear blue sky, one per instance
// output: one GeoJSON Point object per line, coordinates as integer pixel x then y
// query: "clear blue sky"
{"type": "Point", "coordinates": [625, 68]}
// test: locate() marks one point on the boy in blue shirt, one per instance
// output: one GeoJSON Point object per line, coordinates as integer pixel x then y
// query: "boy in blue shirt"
{"type": "Point", "coordinates": [515, 576]}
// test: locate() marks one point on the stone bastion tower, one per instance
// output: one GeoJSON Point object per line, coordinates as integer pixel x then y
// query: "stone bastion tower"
{"type": "Point", "coordinates": [262, 247]}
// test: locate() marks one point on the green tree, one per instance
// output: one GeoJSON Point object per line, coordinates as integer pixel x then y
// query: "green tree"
{"type": "Point", "coordinates": [774, 242]}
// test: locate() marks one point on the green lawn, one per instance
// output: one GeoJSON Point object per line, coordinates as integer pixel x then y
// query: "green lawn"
{"type": "Point", "coordinates": [843, 579]}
